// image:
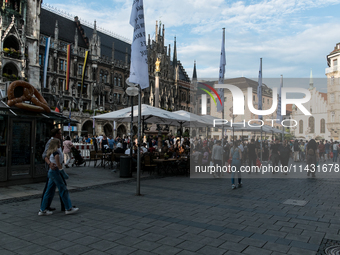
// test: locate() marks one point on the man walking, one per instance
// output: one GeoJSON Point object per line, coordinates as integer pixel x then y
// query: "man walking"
{"type": "Point", "coordinates": [217, 156]}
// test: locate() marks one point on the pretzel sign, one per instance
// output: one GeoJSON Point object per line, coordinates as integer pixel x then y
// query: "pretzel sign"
{"type": "Point", "coordinates": [30, 93]}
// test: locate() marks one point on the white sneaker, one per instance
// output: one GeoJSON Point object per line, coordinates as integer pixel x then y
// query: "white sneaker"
{"type": "Point", "coordinates": [45, 213]}
{"type": "Point", "coordinates": [233, 186]}
{"type": "Point", "coordinates": [72, 210]}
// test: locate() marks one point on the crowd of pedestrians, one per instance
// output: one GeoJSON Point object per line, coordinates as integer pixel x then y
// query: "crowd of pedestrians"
{"type": "Point", "coordinates": [275, 153]}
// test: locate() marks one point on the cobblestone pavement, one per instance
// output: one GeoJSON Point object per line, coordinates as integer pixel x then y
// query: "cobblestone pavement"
{"type": "Point", "coordinates": [179, 215]}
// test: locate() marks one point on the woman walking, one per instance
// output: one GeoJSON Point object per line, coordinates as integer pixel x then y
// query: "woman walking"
{"type": "Point", "coordinates": [56, 157]}
{"type": "Point", "coordinates": [236, 157]}
{"type": "Point", "coordinates": [67, 150]}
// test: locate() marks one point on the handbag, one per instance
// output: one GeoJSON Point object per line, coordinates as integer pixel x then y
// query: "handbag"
{"type": "Point", "coordinates": [64, 174]}
{"type": "Point", "coordinates": [331, 154]}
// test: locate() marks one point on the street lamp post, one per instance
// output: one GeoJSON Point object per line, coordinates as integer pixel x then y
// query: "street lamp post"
{"type": "Point", "coordinates": [134, 90]}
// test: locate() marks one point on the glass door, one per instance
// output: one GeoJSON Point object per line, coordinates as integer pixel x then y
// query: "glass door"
{"type": "Point", "coordinates": [21, 148]}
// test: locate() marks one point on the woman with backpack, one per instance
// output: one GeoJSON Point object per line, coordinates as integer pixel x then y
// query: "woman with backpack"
{"type": "Point", "coordinates": [236, 157]}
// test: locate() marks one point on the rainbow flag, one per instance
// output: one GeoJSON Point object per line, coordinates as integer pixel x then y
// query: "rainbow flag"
{"type": "Point", "coordinates": [68, 67]}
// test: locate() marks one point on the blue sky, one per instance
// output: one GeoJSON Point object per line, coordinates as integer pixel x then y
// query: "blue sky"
{"type": "Point", "coordinates": [292, 36]}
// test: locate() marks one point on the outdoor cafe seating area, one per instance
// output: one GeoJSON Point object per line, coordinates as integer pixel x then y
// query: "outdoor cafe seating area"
{"type": "Point", "coordinates": [154, 163]}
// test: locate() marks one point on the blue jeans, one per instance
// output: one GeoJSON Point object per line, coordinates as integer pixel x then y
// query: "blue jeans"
{"type": "Point", "coordinates": [335, 156]}
{"type": "Point", "coordinates": [55, 180]}
{"type": "Point", "coordinates": [237, 164]}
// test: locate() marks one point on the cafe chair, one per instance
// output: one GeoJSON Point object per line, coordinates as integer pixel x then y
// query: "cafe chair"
{"type": "Point", "coordinates": [148, 165]}
{"type": "Point", "coordinates": [93, 157]}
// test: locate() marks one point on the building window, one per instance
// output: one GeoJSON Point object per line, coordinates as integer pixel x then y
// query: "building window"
{"type": "Point", "coordinates": [79, 88]}
{"type": "Point", "coordinates": [335, 62]}
{"type": "Point", "coordinates": [61, 65]}
{"type": "Point", "coordinates": [311, 124]}
{"type": "Point", "coordinates": [322, 126]}
{"type": "Point", "coordinates": [208, 100]}
{"type": "Point", "coordinates": [105, 77]}
{"type": "Point", "coordinates": [332, 116]}
{"type": "Point", "coordinates": [225, 99]}
{"type": "Point", "coordinates": [267, 101]}
{"type": "Point", "coordinates": [80, 69]}
{"type": "Point", "coordinates": [85, 106]}
{"type": "Point", "coordinates": [118, 98]}
{"type": "Point", "coordinates": [115, 81]}
{"type": "Point", "coordinates": [200, 101]}
{"type": "Point", "coordinates": [253, 97]}
{"type": "Point", "coordinates": [332, 98]}
{"type": "Point", "coordinates": [208, 110]}
{"type": "Point", "coordinates": [262, 100]}
{"type": "Point", "coordinates": [84, 88]}
{"type": "Point", "coordinates": [114, 96]}
{"type": "Point", "coordinates": [66, 104]}
{"type": "Point", "coordinates": [101, 76]}
{"type": "Point", "coordinates": [41, 59]}
{"type": "Point", "coordinates": [300, 126]}
{"type": "Point", "coordinates": [61, 84]}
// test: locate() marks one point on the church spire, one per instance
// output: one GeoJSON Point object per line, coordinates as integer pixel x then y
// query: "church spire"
{"type": "Point", "coordinates": [194, 75]}
{"type": "Point", "coordinates": [174, 61]}
{"type": "Point", "coordinates": [311, 84]}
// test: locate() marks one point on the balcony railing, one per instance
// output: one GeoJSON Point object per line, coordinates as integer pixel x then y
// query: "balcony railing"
{"type": "Point", "coordinates": [331, 69]}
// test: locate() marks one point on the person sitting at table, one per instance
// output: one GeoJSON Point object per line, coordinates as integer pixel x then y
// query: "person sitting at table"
{"type": "Point", "coordinates": [176, 153]}
{"type": "Point", "coordinates": [119, 148]}
{"type": "Point", "coordinates": [143, 148]}
{"type": "Point", "coordinates": [165, 149]}
{"type": "Point", "coordinates": [181, 149]}
{"type": "Point", "coordinates": [151, 149]}
{"type": "Point", "coordinates": [171, 150]}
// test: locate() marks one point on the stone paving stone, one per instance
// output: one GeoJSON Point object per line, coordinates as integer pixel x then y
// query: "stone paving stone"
{"type": "Point", "coordinates": [30, 249]}
{"type": "Point", "coordinates": [297, 237]}
{"type": "Point", "coordinates": [135, 233]}
{"type": "Point", "coordinates": [211, 233]}
{"type": "Point", "coordinates": [208, 250]}
{"type": "Point", "coordinates": [239, 247]}
{"type": "Point", "coordinates": [306, 246]}
{"type": "Point", "coordinates": [276, 247]}
{"type": "Point", "coordinates": [94, 252]}
{"type": "Point", "coordinates": [7, 252]}
{"type": "Point", "coordinates": [231, 238]}
{"type": "Point", "coordinates": [211, 241]}
{"type": "Point", "coordinates": [103, 245]}
{"type": "Point", "coordinates": [189, 245]}
{"type": "Point", "coordinates": [232, 253]}
{"type": "Point", "coordinates": [59, 245]}
{"type": "Point", "coordinates": [171, 241]}
{"type": "Point", "coordinates": [129, 241]}
{"type": "Point", "coordinates": [146, 245]}
{"type": "Point", "coordinates": [275, 233]}
{"type": "Point", "coordinates": [140, 252]}
{"type": "Point", "coordinates": [152, 237]}
{"type": "Point", "coordinates": [264, 237]}
{"type": "Point", "coordinates": [291, 230]}
{"type": "Point", "coordinates": [251, 250]}
{"type": "Point", "coordinates": [44, 252]}
{"type": "Point", "coordinates": [283, 241]}
{"type": "Point", "coordinates": [12, 246]}
{"type": "Point", "coordinates": [166, 250]}
{"type": "Point", "coordinates": [253, 242]}
{"type": "Point", "coordinates": [76, 249]}
{"type": "Point", "coordinates": [285, 224]}
{"type": "Point", "coordinates": [121, 250]}
{"type": "Point", "coordinates": [298, 251]}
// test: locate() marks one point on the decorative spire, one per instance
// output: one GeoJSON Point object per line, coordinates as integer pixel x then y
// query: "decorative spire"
{"type": "Point", "coordinates": [95, 27]}
{"type": "Point", "coordinates": [311, 84]}
{"type": "Point", "coordinates": [194, 76]}
{"type": "Point", "coordinates": [174, 61]}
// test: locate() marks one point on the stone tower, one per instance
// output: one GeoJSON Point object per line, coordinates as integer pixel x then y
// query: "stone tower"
{"type": "Point", "coordinates": [333, 92]}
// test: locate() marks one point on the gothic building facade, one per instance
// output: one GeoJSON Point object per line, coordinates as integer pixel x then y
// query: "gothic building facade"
{"type": "Point", "coordinates": [25, 26]}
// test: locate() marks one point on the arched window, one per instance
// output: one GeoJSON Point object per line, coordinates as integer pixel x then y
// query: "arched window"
{"type": "Point", "coordinates": [322, 126]}
{"type": "Point", "coordinates": [115, 81]}
{"type": "Point", "coordinates": [301, 127]}
{"type": "Point", "coordinates": [101, 76]}
{"type": "Point", "coordinates": [311, 124]}
{"type": "Point", "coordinates": [105, 77]}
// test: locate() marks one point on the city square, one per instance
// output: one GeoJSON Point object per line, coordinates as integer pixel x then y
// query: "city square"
{"type": "Point", "coordinates": [145, 120]}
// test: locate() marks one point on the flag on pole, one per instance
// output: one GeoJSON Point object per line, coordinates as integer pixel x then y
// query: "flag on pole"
{"type": "Point", "coordinates": [47, 50]}
{"type": "Point", "coordinates": [84, 68]}
{"type": "Point", "coordinates": [278, 112]}
{"type": "Point", "coordinates": [68, 67]}
{"type": "Point", "coordinates": [139, 54]}
{"type": "Point", "coordinates": [259, 89]}
{"type": "Point", "coordinates": [57, 108]}
{"type": "Point", "coordinates": [221, 74]}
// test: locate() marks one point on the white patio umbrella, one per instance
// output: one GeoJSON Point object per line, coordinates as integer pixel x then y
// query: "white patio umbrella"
{"type": "Point", "coordinates": [193, 120]}
{"type": "Point", "coordinates": [149, 114]}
